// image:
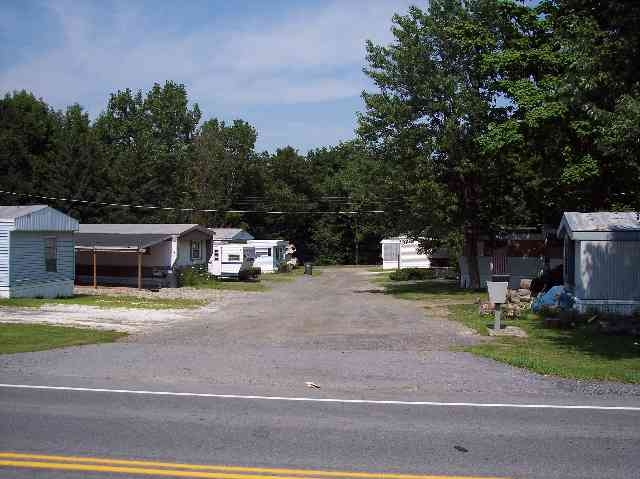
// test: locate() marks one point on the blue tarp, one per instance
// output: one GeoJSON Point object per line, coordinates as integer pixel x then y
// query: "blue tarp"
{"type": "Point", "coordinates": [556, 296]}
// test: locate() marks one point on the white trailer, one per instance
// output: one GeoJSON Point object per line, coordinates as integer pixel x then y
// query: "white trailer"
{"type": "Point", "coordinates": [270, 254]}
{"type": "Point", "coordinates": [399, 253]}
{"type": "Point", "coordinates": [228, 259]}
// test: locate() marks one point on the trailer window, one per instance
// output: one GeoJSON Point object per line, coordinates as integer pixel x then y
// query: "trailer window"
{"type": "Point", "coordinates": [216, 255]}
{"type": "Point", "coordinates": [196, 252]}
{"type": "Point", "coordinates": [51, 255]}
{"type": "Point", "coordinates": [234, 257]}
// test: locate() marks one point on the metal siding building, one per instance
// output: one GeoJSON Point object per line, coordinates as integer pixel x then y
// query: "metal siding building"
{"type": "Point", "coordinates": [602, 260]}
{"type": "Point", "coordinates": [36, 252]}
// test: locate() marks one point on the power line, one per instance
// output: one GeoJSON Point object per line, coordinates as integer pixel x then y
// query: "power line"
{"type": "Point", "coordinates": [188, 210]}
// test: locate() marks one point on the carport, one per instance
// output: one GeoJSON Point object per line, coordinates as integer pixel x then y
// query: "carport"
{"type": "Point", "coordinates": [128, 250]}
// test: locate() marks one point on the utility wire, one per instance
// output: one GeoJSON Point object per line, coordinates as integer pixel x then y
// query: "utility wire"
{"type": "Point", "coordinates": [193, 210]}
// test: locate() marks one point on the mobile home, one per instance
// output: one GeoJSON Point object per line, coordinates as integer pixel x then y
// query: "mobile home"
{"type": "Point", "coordinates": [142, 255]}
{"type": "Point", "coordinates": [401, 252]}
{"type": "Point", "coordinates": [36, 252]}
{"type": "Point", "coordinates": [602, 260]}
{"type": "Point", "coordinates": [270, 254]}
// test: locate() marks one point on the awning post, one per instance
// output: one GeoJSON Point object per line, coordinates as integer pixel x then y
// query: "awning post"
{"type": "Point", "coordinates": [139, 270]}
{"type": "Point", "coordinates": [95, 272]}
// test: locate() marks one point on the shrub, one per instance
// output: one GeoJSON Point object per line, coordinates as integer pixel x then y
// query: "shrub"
{"type": "Point", "coordinates": [412, 274]}
{"type": "Point", "coordinates": [249, 274]}
{"type": "Point", "coordinates": [195, 275]}
{"type": "Point", "coordinates": [284, 268]}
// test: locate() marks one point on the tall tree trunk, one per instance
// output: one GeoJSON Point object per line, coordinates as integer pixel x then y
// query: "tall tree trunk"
{"type": "Point", "coordinates": [471, 253]}
{"type": "Point", "coordinates": [355, 240]}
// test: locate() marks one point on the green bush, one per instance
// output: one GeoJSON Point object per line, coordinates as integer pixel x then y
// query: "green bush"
{"type": "Point", "coordinates": [196, 275]}
{"type": "Point", "coordinates": [412, 274]}
{"type": "Point", "coordinates": [249, 274]}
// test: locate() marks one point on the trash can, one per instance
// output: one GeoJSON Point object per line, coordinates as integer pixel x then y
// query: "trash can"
{"type": "Point", "coordinates": [308, 268]}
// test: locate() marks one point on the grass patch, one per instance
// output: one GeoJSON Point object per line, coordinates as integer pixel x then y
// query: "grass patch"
{"type": "Point", "coordinates": [579, 353]}
{"type": "Point", "coordinates": [284, 277]}
{"type": "Point", "coordinates": [428, 290]}
{"type": "Point", "coordinates": [130, 302]}
{"type": "Point", "coordinates": [20, 338]}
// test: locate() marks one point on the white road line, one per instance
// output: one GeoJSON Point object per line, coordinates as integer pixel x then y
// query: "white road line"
{"type": "Point", "coordinates": [325, 400]}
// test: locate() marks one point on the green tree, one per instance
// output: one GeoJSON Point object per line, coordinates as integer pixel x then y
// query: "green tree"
{"type": "Point", "coordinates": [432, 119]}
{"type": "Point", "coordinates": [147, 141]}
{"type": "Point", "coordinates": [28, 128]}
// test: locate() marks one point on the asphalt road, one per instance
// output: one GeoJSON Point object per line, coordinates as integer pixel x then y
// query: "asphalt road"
{"type": "Point", "coordinates": [500, 442]}
{"type": "Point", "coordinates": [356, 344]}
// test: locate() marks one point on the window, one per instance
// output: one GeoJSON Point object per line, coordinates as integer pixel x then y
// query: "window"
{"type": "Point", "coordinates": [216, 255]}
{"type": "Point", "coordinates": [263, 252]}
{"type": "Point", "coordinates": [196, 252]}
{"type": "Point", "coordinates": [234, 257]}
{"type": "Point", "coordinates": [50, 255]}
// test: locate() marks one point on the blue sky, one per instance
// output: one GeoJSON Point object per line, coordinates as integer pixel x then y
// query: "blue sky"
{"type": "Point", "coordinates": [293, 69]}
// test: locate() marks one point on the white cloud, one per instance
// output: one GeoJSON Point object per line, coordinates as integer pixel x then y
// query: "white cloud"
{"type": "Point", "coordinates": [309, 55]}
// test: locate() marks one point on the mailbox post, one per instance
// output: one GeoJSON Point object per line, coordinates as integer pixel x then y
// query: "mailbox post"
{"type": "Point", "coordinates": [498, 296]}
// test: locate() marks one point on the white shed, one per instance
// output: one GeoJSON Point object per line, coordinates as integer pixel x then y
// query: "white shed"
{"type": "Point", "coordinates": [36, 252]}
{"type": "Point", "coordinates": [602, 260]}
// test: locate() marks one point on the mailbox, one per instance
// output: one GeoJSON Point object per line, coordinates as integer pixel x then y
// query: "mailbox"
{"type": "Point", "coordinates": [497, 291]}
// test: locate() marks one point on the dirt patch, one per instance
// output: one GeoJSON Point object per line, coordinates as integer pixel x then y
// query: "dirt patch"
{"type": "Point", "coordinates": [116, 319]}
{"type": "Point", "coordinates": [164, 293]}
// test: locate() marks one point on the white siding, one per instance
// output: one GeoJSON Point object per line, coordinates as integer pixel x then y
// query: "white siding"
{"type": "Point", "coordinates": [409, 256]}
{"type": "Point", "coordinates": [184, 249]}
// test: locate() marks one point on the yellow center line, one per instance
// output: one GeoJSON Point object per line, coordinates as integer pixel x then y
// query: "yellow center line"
{"type": "Point", "coordinates": [123, 466]}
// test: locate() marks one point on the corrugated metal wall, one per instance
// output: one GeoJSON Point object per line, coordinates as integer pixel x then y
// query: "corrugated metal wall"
{"type": "Point", "coordinates": [27, 258]}
{"type": "Point", "coordinates": [608, 270]}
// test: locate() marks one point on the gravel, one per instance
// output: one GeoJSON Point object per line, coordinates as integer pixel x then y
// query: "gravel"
{"type": "Point", "coordinates": [336, 330]}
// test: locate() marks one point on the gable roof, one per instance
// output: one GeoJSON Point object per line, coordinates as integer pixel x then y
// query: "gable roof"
{"type": "Point", "coordinates": [602, 225]}
{"type": "Point", "coordinates": [117, 242]}
{"type": "Point", "coordinates": [229, 234]}
{"type": "Point", "coordinates": [13, 212]}
{"type": "Point", "coordinates": [36, 218]}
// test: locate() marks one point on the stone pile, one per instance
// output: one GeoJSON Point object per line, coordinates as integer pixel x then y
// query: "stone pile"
{"type": "Point", "coordinates": [518, 300]}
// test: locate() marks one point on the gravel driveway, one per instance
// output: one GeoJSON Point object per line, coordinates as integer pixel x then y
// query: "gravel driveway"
{"type": "Point", "coordinates": [335, 329]}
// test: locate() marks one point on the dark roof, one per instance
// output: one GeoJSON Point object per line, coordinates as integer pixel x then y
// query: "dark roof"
{"type": "Point", "coordinates": [118, 241]}
{"type": "Point", "coordinates": [12, 212]}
